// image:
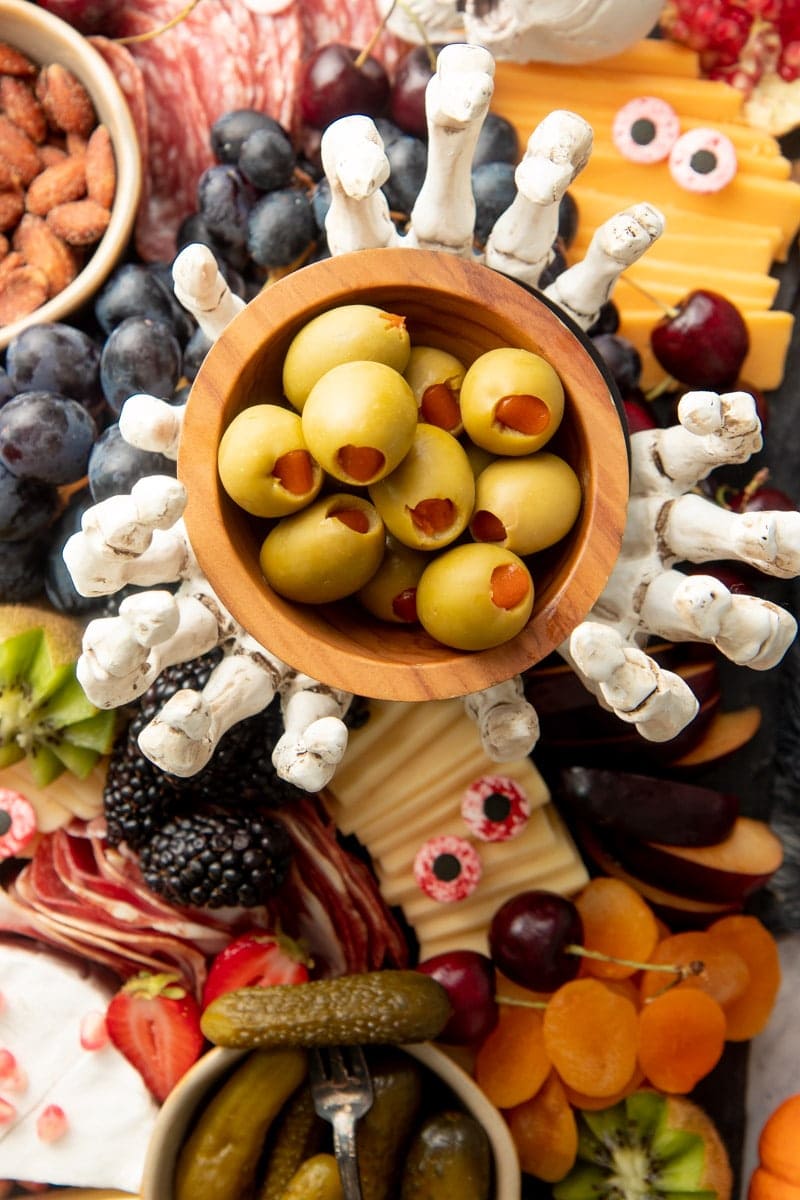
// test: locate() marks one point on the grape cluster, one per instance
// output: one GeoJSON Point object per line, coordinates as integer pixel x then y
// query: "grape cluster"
{"type": "Point", "coordinates": [739, 41]}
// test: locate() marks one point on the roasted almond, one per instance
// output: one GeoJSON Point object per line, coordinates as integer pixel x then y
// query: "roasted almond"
{"type": "Point", "coordinates": [10, 262]}
{"type": "Point", "coordinates": [79, 222]}
{"type": "Point", "coordinates": [22, 291]}
{"type": "Point", "coordinates": [4, 246]}
{"type": "Point", "coordinates": [14, 62]}
{"type": "Point", "coordinates": [50, 154]}
{"type": "Point", "coordinates": [64, 181]}
{"type": "Point", "coordinates": [43, 248]}
{"type": "Point", "coordinates": [21, 106]}
{"type": "Point", "coordinates": [101, 170]}
{"type": "Point", "coordinates": [66, 102]}
{"type": "Point", "coordinates": [18, 151]}
{"type": "Point", "coordinates": [12, 206]}
{"type": "Point", "coordinates": [7, 176]}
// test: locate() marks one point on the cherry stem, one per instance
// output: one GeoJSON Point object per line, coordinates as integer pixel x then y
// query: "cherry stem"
{"type": "Point", "coordinates": [426, 41]}
{"type": "Point", "coordinates": [755, 483]}
{"type": "Point", "coordinates": [516, 1002]}
{"type": "Point", "coordinates": [667, 384]}
{"type": "Point", "coordinates": [154, 33]}
{"type": "Point", "coordinates": [683, 970]}
{"type": "Point", "coordinates": [668, 309]}
{"type": "Point", "coordinates": [370, 46]}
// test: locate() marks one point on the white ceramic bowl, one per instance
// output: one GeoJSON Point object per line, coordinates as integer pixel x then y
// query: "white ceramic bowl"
{"type": "Point", "coordinates": [46, 39]}
{"type": "Point", "coordinates": [176, 1115]}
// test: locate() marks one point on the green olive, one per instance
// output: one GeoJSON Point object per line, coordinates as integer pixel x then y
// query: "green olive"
{"type": "Point", "coordinates": [391, 592]}
{"type": "Point", "coordinates": [325, 552]}
{"type": "Point", "coordinates": [526, 504]}
{"type": "Point", "coordinates": [475, 596]}
{"type": "Point", "coordinates": [264, 463]}
{"type": "Point", "coordinates": [344, 334]}
{"type": "Point", "coordinates": [427, 501]}
{"type": "Point", "coordinates": [359, 421]}
{"type": "Point", "coordinates": [512, 401]}
{"type": "Point", "coordinates": [435, 379]}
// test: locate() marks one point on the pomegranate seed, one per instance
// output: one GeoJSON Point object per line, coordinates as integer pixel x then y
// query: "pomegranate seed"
{"type": "Point", "coordinates": [52, 1123]}
{"type": "Point", "coordinates": [7, 1112]}
{"type": "Point", "coordinates": [12, 1075]}
{"type": "Point", "coordinates": [94, 1031]}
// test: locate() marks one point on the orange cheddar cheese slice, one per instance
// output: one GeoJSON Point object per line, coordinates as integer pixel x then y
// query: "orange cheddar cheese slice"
{"type": "Point", "coordinates": [688, 249]}
{"type": "Point", "coordinates": [746, 290]}
{"type": "Point", "coordinates": [752, 165]}
{"type": "Point", "coordinates": [770, 334]}
{"type": "Point", "coordinates": [653, 56]}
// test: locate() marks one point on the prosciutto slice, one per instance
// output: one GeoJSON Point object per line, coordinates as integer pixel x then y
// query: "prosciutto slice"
{"type": "Point", "coordinates": [222, 57]}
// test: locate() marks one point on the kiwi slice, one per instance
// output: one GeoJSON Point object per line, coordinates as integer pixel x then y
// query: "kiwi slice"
{"type": "Point", "coordinates": [648, 1146]}
{"type": "Point", "coordinates": [45, 715]}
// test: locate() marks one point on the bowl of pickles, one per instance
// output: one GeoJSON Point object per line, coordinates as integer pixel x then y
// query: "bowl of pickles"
{"type": "Point", "coordinates": [407, 473]}
{"type": "Point", "coordinates": [243, 1123]}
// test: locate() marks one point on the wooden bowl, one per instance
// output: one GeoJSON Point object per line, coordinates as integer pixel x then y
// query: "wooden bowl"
{"type": "Point", "coordinates": [185, 1099]}
{"type": "Point", "coordinates": [46, 39]}
{"type": "Point", "coordinates": [466, 309]}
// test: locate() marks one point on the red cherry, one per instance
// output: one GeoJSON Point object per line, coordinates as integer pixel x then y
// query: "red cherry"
{"type": "Point", "coordinates": [337, 81]}
{"type": "Point", "coordinates": [757, 496]}
{"type": "Point", "coordinates": [639, 416]}
{"type": "Point", "coordinates": [407, 101]}
{"type": "Point", "coordinates": [469, 980]}
{"type": "Point", "coordinates": [733, 580]}
{"type": "Point", "coordinates": [703, 342]}
{"type": "Point", "coordinates": [530, 938]}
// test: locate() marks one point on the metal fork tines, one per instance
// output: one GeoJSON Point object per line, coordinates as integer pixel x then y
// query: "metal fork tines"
{"type": "Point", "coordinates": [342, 1091]}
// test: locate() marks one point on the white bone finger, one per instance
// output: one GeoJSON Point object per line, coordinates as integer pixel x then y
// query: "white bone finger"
{"type": "Point", "coordinates": [356, 167]}
{"type": "Point", "coordinates": [756, 633]}
{"type": "Point", "coordinates": [507, 723]}
{"type": "Point", "coordinates": [696, 530]}
{"type": "Point", "coordinates": [151, 424]}
{"type": "Point", "coordinates": [152, 616]}
{"type": "Point", "coordinates": [200, 287]}
{"type": "Point", "coordinates": [584, 288]}
{"type": "Point", "coordinates": [309, 760]}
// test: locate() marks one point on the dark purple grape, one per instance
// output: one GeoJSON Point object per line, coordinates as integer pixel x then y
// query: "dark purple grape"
{"type": "Point", "coordinates": [193, 230]}
{"type": "Point", "coordinates": [281, 227]}
{"type": "Point", "coordinates": [46, 437]}
{"type": "Point", "coordinates": [408, 160]}
{"type": "Point", "coordinates": [622, 359]}
{"type": "Point", "coordinates": [267, 159]}
{"type": "Point", "coordinates": [494, 189]}
{"type": "Point", "coordinates": [529, 937]}
{"type": "Point", "coordinates": [320, 203]}
{"type": "Point", "coordinates": [21, 570]}
{"type": "Point", "coordinates": [224, 199]}
{"type": "Point", "coordinates": [332, 85]}
{"type": "Point", "coordinates": [389, 132]}
{"type": "Point", "coordinates": [7, 389]}
{"type": "Point", "coordinates": [115, 466]}
{"type": "Point", "coordinates": [55, 358]}
{"type": "Point", "coordinates": [497, 142]}
{"type": "Point", "coordinates": [133, 290]}
{"type": "Point", "coordinates": [182, 322]}
{"type": "Point", "coordinates": [554, 268]}
{"type": "Point", "coordinates": [26, 507]}
{"type": "Point", "coordinates": [607, 320]}
{"type": "Point", "coordinates": [231, 130]}
{"type": "Point", "coordinates": [140, 355]}
{"type": "Point", "coordinates": [469, 980]}
{"type": "Point", "coordinates": [58, 585]}
{"type": "Point", "coordinates": [195, 351]}
{"type": "Point", "coordinates": [407, 101]}
{"type": "Point", "coordinates": [567, 219]}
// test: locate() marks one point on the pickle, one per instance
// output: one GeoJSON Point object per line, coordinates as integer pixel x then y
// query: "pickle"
{"type": "Point", "coordinates": [218, 1160]}
{"type": "Point", "coordinates": [316, 1179]}
{"type": "Point", "coordinates": [384, 1131]}
{"type": "Point", "coordinates": [387, 1007]}
{"type": "Point", "coordinates": [449, 1156]}
{"type": "Point", "coordinates": [297, 1135]}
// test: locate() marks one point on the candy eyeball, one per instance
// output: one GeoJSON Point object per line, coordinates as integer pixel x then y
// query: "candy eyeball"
{"type": "Point", "coordinates": [435, 378]}
{"type": "Point", "coordinates": [326, 552]}
{"type": "Point", "coordinates": [703, 160]}
{"type": "Point", "coordinates": [264, 464]}
{"type": "Point", "coordinates": [359, 421]}
{"type": "Point", "coordinates": [427, 501]}
{"type": "Point", "coordinates": [645, 129]}
{"type": "Point", "coordinates": [512, 401]}
{"type": "Point", "coordinates": [495, 808]}
{"type": "Point", "coordinates": [347, 333]}
{"type": "Point", "coordinates": [475, 596]}
{"type": "Point", "coordinates": [526, 504]}
{"type": "Point", "coordinates": [391, 593]}
{"type": "Point", "coordinates": [447, 868]}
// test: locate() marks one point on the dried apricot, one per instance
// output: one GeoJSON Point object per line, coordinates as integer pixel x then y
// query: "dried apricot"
{"type": "Point", "coordinates": [594, 1103]}
{"type": "Point", "coordinates": [590, 1034]}
{"type": "Point", "coordinates": [681, 1038]}
{"type": "Point", "coordinates": [747, 937]}
{"type": "Point", "coordinates": [512, 1063]}
{"type": "Point", "coordinates": [617, 922]}
{"type": "Point", "coordinates": [545, 1132]}
{"type": "Point", "coordinates": [724, 974]}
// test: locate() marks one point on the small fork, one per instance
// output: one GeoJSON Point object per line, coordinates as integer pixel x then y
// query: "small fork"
{"type": "Point", "coordinates": [342, 1091]}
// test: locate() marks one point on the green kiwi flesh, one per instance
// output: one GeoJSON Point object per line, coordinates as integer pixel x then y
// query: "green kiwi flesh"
{"type": "Point", "coordinates": [45, 715]}
{"type": "Point", "coordinates": [630, 1152]}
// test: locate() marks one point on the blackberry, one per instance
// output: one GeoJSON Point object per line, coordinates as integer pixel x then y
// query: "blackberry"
{"type": "Point", "coordinates": [217, 860]}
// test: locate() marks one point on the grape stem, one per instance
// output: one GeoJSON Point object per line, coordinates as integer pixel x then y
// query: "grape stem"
{"type": "Point", "coordinates": [370, 46]}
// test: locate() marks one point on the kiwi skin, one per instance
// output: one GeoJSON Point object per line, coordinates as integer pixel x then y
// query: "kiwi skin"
{"type": "Point", "coordinates": [648, 1144]}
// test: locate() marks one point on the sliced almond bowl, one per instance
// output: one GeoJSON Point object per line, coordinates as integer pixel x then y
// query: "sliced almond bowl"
{"type": "Point", "coordinates": [466, 309]}
{"type": "Point", "coordinates": [47, 39]}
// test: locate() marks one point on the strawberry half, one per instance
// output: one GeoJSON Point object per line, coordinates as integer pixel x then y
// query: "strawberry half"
{"type": "Point", "coordinates": [154, 1020]}
{"type": "Point", "coordinates": [255, 960]}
